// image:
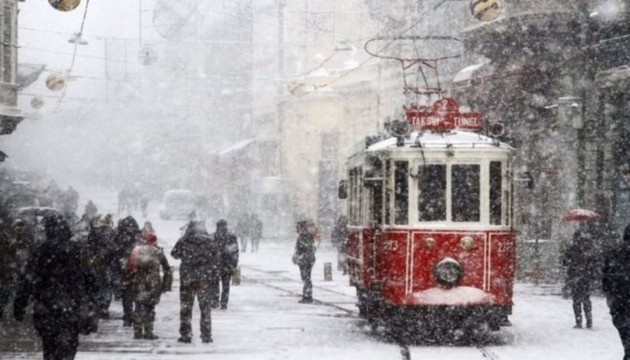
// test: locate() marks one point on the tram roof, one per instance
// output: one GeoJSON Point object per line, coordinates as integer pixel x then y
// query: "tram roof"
{"type": "Point", "coordinates": [454, 139]}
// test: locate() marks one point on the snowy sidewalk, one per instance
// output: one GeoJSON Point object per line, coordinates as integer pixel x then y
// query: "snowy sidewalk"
{"type": "Point", "coordinates": [265, 321]}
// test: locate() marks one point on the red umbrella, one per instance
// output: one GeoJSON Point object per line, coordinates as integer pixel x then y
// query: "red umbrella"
{"type": "Point", "coordinates": [581, 215]}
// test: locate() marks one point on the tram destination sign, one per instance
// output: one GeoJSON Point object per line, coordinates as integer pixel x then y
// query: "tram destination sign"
{"type": "Point", "coordinates": [444, 116]}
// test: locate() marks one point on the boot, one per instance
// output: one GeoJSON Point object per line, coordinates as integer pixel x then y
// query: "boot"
{"type": "Point", "coordinates": [148, 332]}
{"type": "Point", "coordinates": [577, 311]}
{"type": "Point", "coordinates": [588, 314]}
{"type": "Point", "coordinates": [137, 332]}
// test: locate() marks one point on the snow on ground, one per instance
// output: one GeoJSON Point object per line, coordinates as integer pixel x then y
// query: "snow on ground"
{"type": "Point", "coordinates": [264, 322]}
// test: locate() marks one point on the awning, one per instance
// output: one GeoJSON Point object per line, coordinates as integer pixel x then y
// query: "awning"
{"type": "Point", "coordinates": [28, 74]}
{"type": "Point", "coordinates": [236, 147]}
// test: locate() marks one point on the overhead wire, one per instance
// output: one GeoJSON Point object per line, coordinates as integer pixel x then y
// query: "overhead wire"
{"type": "Point", "coordinates": [363, 63]}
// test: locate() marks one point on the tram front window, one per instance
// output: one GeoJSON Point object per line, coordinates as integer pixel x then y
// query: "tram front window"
{"type": "Point", "coordinates": [465, 193]}
{"type": "Point", "coordinates": [432, 193]}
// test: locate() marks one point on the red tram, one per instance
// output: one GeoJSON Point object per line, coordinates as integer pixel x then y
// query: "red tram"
{"type": "Point", "coordinates": [430, 237]}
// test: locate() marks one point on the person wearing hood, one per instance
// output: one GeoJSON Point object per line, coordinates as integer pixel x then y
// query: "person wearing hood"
{"type": "Point", "coordinates": [228, 248]}
{"type": "Point", "coordinates": [127, 234]}
{"type": "Point", "coordinates": [616, 286]}
{"type": "Point", "coordinates": [59, 282]}
{"type": "Point", "coordinates": [199, 254]}
{"type": "Point", "coordinates": [145, 263]}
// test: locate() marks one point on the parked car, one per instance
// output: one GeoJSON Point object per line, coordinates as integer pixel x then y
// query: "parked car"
{"type": "Point", "coordinates": [179, 204]}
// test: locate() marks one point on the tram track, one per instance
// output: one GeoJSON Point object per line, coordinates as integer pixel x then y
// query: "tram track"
{"type": "Point", "coordinates": [403, 346]}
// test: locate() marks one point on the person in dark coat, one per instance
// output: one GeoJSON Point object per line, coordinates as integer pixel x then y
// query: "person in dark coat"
{"type": "Point", "coordinates": [90, 210]}
{"type": "Point", "coordinates": [242, 230]}
{"type": "Point", "coordinates": [616, 286]}
{"type": "Point", "coordinates": [145, 263]}
{"type": "Point", "coordinates": [8, 264]}
{"type": "Point", "coordinates": [580, 260]}
{"type": "Point", "coordinates": [101, 254]}
{"type": "Point", "coordinates": [256, 232]}
{"type": "Point", "coordinates": [304, 257]}
{"type": "Point", "coordinates": [338, 238]}
{"type": "Point", "coordinates": [228, 248]}
{"type": "Point", "coordinates": [200, 261]}
{"type": "Point", "coordinates": [127, 234]}
{"type": "Point", "coordinates": [58, 281]}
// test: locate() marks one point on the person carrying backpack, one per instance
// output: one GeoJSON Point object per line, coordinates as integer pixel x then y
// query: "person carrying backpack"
{"type": "Point", "coordinates": [144, 265]}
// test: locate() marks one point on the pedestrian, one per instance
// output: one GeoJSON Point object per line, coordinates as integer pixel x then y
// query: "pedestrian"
{"type": "Point", "coordinates": [127, 234]}
{"type": "Point", "coordinates": [579, 259]}
{"type": "Point", "coordinates": [145, 263]}
{"type": "Point", "coordinates": [199, 256]}
{"type": "Point", "coordinates": [304, 257]}
{"type": "Point", "coordinates": [147, 228]}
{"type": "Point", "coordinates": [228, 250]}
{"type": "Point", "coordinates": [616, 286]}
{"type": "Point", "coordinates": [59, 282]}
{"type": "Point", "coordinates": [338, 238]}
{"type": "Point", "coordinates": [256, 232]}
{"type": "Point", "coordinates": [90, 210]}
{"type": "Point", "coordinates": [144, 205]}
{"type": "Point", "coordinates": [242, 230]}
{"type": "Point", "coordinates": [101, 255]}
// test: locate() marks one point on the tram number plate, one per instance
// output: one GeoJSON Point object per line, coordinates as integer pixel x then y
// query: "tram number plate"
{"type": "Point", "coordinates": [390, 245]}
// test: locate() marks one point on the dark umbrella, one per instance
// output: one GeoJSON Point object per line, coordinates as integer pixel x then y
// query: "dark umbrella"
{"type": "Point", "coordinates": [581, 215]}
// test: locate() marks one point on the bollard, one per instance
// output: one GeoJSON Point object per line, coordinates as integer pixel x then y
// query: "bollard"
{"type": "Point", "coordinates": [236, 276]}
{"type": "Point", "coordinates": [327, 271]}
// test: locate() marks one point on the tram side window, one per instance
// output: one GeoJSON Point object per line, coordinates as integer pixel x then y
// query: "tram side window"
{"type": "Point", "coordinates": [432, 193]}
{"type": "Point", "coordinates": [401, 192]}
{"type": "Point", "coordinates": [465, 193]}
{"type": "Point", "coordinates": [496, 191]}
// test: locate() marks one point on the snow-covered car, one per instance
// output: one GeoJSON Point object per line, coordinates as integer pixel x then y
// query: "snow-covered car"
{"type": "Point", "coordinates": [178, 204]}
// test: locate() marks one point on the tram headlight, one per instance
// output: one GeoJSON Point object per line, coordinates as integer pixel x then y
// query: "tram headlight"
{"type": "Point", "coordinates": [448, 272]}
{"type": "Point", "coordinates": [467, 243]}
{"type": "Point", "coordinates": [429, 243]}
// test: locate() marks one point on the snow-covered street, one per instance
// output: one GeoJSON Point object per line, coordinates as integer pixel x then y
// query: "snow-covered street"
{"type": "Point", "coordinates": [265, 321]}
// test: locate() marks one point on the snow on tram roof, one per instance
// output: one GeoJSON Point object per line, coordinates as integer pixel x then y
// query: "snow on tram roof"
{"type": "Point", "coordinates": [455, 139]}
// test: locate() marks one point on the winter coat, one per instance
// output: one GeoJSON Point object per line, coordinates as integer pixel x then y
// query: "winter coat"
{"type": "Point", "coordinates": [58, 279]}
{"type": "Point", "coordinates": [199, 254]}
{"type": "Point", "coordinates": [101, 248]}
{"type": "Point", "coordinates": [580, 260]}
{"type": "Point", "coordinates": [228, 246]}
{"type": "Point", "coordinates": [257, 228]}
{"type": "Point", "coordinates": [616, 275]}
{"type": "Point", "coordinates": [305, 249]}
{"type": "Point", "coordinates": [8, 251]}
{"type": "Point", "coordinates": [144, 265]}
{"type": "Point", "coordinates": [127, 234]}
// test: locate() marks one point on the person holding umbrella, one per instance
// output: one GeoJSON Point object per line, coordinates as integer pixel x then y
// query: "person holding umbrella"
{"type": "Point", "coordinates": [580, 261]}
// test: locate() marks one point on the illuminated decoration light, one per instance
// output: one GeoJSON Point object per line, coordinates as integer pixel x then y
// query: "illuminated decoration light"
{"type": "Point", "coordinates": [429, 243]}
{"type": "Point", "coordinates": [64, 5]}
{"type": "Point", "coordinates": [55, 82]}
{"type": "Point", "coordinates": [496, 129]}
{"type": "Point", "coordinates": [486, 10]}
{"type": "Point", "coordinates": [37, 102]}
{"type": "Point", "coordinates": [467, 243]}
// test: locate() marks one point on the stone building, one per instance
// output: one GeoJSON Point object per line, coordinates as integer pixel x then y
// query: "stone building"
{"type": "Point", "coordinates": [555, 73]}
